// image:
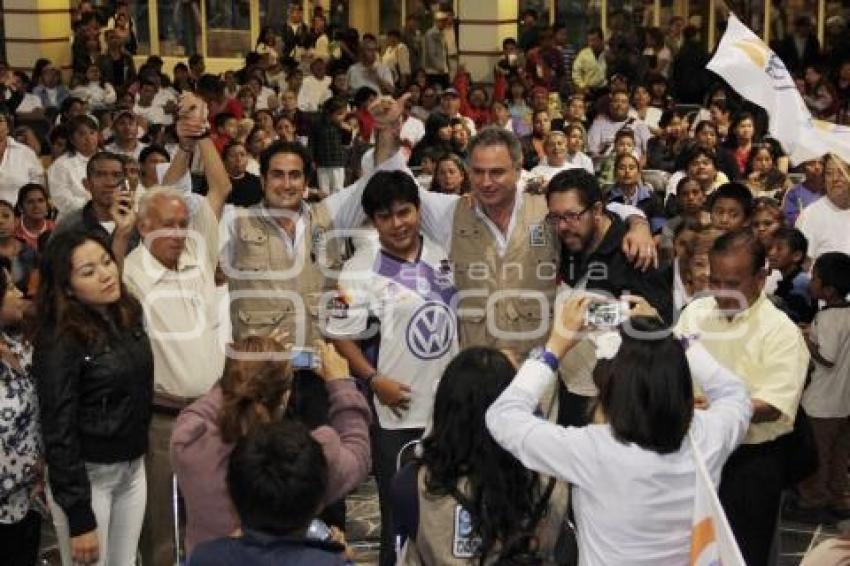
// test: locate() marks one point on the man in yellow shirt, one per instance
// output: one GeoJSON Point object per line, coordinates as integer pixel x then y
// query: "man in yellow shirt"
{"type": "Point", "coordinates": [742, 329]}
{"type": "Point", "coordinates": [589, 65]}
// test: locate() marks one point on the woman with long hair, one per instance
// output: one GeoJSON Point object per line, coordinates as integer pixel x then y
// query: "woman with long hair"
{"type": "Point", "coordinates": [255, 390]}
{"type": "Point", "coordinates": [22, 258]}
{"type": "Point", "coordinates": [819, 94]}
{"type": "Point", "coordinates": [65, 176]}
{"type": "Point", "coordinates": [20, 436]}
{"type": "Point", "coordinates": [764, 178]}
{"type": "Point", "coordinates": [94, 369]}
{"type": "Point", "coordinates": [463, 478]}
{"type": "Point", "coordinates": [633, 469]}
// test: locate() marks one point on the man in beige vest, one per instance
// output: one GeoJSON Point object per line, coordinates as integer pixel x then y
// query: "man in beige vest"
{"type": "Point", "coordinates": [506, 256]}
{"type": "Point", "coordinates": [282, 256]}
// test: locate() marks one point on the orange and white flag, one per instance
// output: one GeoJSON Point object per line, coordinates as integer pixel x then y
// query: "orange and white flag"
{"type": "Point", "coordinates": [712, 541]}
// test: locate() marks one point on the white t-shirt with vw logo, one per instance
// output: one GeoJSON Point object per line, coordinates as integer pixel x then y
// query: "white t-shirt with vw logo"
{"type": "Point", "coordinates": [414, 303]}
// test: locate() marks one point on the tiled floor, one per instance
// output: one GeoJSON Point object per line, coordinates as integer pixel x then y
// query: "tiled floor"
{"type": "Point", "coordinates": [363, 521]}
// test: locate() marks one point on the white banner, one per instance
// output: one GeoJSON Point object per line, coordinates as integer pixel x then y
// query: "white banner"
{"type": "Point", "coordinates": [752, 69]}
{"type": "Point", "coordinates": [712, 541]}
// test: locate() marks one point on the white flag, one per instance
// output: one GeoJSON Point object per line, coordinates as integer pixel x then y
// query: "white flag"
{"type": "Point", "coordinates": [754, 70]}
{"type": "Point", "coordinates": [712, 541]}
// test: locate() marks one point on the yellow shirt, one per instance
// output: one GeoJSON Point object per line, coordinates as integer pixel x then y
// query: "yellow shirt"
{"type": "Point", "coordinates": [763, 347]}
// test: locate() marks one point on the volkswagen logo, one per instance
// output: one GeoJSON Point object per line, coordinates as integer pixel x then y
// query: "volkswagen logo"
{"type": "Point", "coordinates": [431, 331]}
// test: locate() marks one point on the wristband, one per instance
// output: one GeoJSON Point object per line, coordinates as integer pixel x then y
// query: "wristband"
{"type": "Point", "coordinates": [369, 378]}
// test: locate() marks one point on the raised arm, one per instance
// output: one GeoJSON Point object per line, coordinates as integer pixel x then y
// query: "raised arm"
{"type": "Point", "coordinates": [191, 129]}
{"type": "Point", "coordinates": [344, 206]}
{"type": "Point", "coordinates": [345, 442]}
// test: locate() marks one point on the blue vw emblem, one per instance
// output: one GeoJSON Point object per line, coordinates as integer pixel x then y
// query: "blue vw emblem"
{"type": "Point", "coordinates": [431, 331]}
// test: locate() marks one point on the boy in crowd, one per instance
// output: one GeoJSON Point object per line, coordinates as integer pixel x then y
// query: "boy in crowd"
{"type": "Point", "coordinates": [823, 495]}
{"type": "Point", "coordinates": [731, 207]}
{"type": "Point", "coordinates": [275, 478]}
{"type": "Point", "coordinates": [786, 254]}
{"type": "Point", "coordinates": [330, 140]}
{"type": "Point", "coordinates": [226, 130]}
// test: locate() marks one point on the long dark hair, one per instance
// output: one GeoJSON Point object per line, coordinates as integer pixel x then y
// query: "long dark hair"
{"type": "Point", "coordinates": [645, 391]}
{"type": "Point", "coordinates": [502, 496]}
{"type": "Point", "coordinates": [61, 315]}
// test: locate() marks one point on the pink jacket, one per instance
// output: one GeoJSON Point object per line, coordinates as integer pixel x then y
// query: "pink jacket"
{"type": "Point", "coordinates": [200, 457]}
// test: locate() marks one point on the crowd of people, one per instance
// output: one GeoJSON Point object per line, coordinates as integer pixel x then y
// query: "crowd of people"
{"type": "Point", "coordinates": [531, 308]}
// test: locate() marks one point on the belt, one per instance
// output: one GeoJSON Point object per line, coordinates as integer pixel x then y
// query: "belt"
{"type": "Point", "coordinates": [170, 405]}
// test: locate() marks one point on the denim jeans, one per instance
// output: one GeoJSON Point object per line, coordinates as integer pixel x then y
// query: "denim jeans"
{"type": "Point", "coordinates": [118, 494]}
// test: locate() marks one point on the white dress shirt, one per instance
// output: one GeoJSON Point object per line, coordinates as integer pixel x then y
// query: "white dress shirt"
{"type": "Point", "coordinates": [19, 165]}
{"type": "Point", "coordinates": [65, 179]}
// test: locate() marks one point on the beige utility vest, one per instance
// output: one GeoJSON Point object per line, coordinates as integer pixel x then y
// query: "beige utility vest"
{"type": "Point", "coordinates": [444, 535]}
{"type": "Point", "coordinates": [505, 302]}
{"type": "Point", "coordinates": [274, 288]}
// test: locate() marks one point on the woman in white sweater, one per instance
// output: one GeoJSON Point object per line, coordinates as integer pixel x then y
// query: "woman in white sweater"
{"type": "Point", "coordinates": [633, 471]}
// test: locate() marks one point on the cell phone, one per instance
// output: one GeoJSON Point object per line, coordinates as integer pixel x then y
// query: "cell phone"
{"type": "Point", "coordinates": [318, 530]}
{"type": "Point", "coordinates": [305, 358]}
{"type": "Point", "coordinates": [604, 314]}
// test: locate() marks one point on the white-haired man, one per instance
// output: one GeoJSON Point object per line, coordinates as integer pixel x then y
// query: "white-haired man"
{"type": "Point", "coordinates": [173, 274]}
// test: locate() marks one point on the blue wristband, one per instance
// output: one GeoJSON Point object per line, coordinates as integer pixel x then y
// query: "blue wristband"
{"type": "Point", "coordinates": [543, 355]}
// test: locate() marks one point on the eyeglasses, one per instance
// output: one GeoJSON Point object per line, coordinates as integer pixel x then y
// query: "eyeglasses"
{"type": "Point", "coordinates": [554, 218]}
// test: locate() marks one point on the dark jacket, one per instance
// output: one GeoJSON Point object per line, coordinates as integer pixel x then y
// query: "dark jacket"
{"type": "Point", "coordinates": [292, 39]}
{"type": "Point", "coordinates": [260, 549]}
{"type": "Point", "coordinates": [607, 269]}
{"type": "Point", "coordinates": [797, 301]}
{"type": "Point", "coordinates": [795, 61]}
{"type": "Point", "coordinates": [329, 144]}
{"type": "Point", "coordinates": [84, 219]}
{"type": "Point", "coordinates": [108, 70]}
{"type": "Point", "coordinates": [95, 407]}
{"type": "Point", "coordinates": [647, 201]}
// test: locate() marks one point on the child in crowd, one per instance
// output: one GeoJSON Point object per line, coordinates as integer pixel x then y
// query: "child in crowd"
{"type": "Point", "coordinates": [684, 237]}
{"type": "Point", "coordinates": [691, 201]}
{"type": "Point", "coordinates": [330, 142]}
{"type": "Point", "coordinates": [767, 219]}
{"type": "Point", "coordinates": [575, 146]}
{"type": "Point", "coordinates": [624, 144]}
{"type": "Point", "coordinates": [226, 130]}
{"type": "Point", "coordinates": [731, 207]}
{"type": "Point", "coordinates": [824, 495]}
{"type": "Point", "coordinates": [786, 254]}
{"type": "Point", "coordinates": [428, 166]}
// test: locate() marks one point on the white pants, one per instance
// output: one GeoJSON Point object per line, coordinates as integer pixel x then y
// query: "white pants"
{"type": "Point", "coordinates": [118, 495]}
{"type": "Point", "coordinates": [331, 179]}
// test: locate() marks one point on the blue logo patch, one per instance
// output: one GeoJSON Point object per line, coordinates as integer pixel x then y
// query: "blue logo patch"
{"type": "Point", "coordinates": [431, 331]}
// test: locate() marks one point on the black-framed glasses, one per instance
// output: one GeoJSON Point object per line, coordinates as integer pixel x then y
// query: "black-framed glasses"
{"type": "Point", "coordinates": [554, 218]}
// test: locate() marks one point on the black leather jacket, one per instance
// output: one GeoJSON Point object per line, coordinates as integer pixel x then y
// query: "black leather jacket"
{"type": "Point", "coordinates": [95, 408]}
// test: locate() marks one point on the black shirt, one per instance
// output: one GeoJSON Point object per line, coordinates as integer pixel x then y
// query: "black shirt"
{"type": "Point", "coordinates": [607, 269]}
{"type": "Point", "coordinates": [247, 190]}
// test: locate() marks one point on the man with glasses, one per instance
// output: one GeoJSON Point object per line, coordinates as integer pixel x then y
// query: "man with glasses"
{"type": "Point", "coordinates": [592, 258]}
{"type": "Point", "coordinates": [505, 254]}
{"type": "Point", "coordinates": [826, 222]}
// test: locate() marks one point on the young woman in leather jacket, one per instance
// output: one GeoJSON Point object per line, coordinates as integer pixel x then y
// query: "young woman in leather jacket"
{"type": "Point", "coordinates": [94, 369]}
